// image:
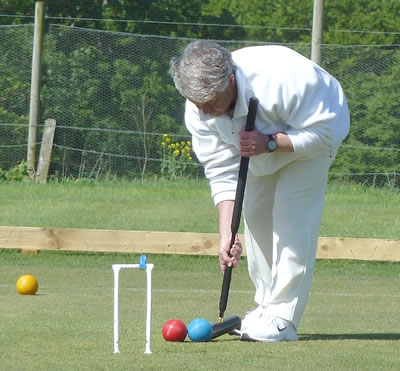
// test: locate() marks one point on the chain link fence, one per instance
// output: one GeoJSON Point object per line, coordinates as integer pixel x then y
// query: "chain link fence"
{"type": "Point", "coordinates": [15, 80]}
{"type": "Point", "coordinates": [119, 115]}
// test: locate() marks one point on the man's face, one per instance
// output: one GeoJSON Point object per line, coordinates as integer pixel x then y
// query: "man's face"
{"type": "Point", "coordinates": [222, 101]}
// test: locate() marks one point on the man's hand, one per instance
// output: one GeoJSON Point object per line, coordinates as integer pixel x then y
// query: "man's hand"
{"type": "Point", "coordinates": [229, 255]}
{"type": "Point", "coordinates": [252, 143]}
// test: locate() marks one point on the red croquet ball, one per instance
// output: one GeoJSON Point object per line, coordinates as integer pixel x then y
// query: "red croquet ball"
{"type": "Point", "coordinates": [174, 330]}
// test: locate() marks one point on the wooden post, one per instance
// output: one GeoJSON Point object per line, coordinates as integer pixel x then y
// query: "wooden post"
{"type": "Point", "coordinates": [45, 151]}
{"type": "Point", "coordinates": [317, 31]}
{"type": "Point", "coordinates": [35, 87]}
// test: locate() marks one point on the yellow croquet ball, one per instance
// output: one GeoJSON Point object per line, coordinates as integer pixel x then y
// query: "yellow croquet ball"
{"type": "Point", "coordinates": [27, 285]}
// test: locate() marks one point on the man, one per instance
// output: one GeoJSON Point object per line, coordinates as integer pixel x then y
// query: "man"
{"type": "Point", "coordinates": [301, 120]}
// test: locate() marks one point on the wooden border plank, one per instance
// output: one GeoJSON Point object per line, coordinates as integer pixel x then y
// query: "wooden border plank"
{"type": "Point", "coordinates": [108, 241]}
{"type": "Point", "coordinates": [31, 238]}
{"type": "Point", "coordinates": [358, 248]}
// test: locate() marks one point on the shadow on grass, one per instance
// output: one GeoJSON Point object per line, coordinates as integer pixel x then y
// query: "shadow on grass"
{"type": "Point", "coordinates": [372, 336]}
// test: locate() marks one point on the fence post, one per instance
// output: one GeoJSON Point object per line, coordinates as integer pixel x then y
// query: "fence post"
{"type": "Point", "coordinates": [35, 87]}
{"type": "Point", "coordinates": [45, 151]}
{"type": "Point", "coordinates": [317, 30]}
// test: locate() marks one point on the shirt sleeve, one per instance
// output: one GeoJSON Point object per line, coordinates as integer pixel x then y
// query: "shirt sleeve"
{"type": "Point", "coordinates": [221, 160]}
{"type": "Point", "coordinates": [313, 105]}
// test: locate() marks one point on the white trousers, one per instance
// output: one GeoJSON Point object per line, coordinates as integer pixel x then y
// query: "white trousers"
{"type": "Point", "coordinates": [282, 216]}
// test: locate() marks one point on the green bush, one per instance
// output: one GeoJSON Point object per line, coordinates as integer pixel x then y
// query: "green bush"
{"type": "Point", "coordinates": [16, 174]}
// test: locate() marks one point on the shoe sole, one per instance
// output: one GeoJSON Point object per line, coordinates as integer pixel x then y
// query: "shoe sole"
{"type": "Point", "coordinates": [235, 332]}
{"type": "Point", "coordinates": [246, 337]}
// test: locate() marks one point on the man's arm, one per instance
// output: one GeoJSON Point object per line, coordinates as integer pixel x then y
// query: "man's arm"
{"type": "Point", "coordinates": [225, 211]}
{"type": "Point", "coordinates": [254, 143]}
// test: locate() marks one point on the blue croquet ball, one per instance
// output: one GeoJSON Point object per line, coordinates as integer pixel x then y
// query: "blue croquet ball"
{"type": "Point", "coordinates": [200, 330]}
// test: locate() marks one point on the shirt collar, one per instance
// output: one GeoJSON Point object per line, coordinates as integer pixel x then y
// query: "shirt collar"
{"type": "Point", "coordinates": [241, 107]}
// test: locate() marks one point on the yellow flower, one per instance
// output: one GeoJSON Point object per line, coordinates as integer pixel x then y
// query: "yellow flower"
{"type": "Point", "coordinates": [165, 135]}
{"type": "Point", "coordinates": [188, 149]}
{"type": "Point", "coordinates": [190, 158]}
{"type": "Point", "coordinates": [168, 140]}
{"type": "Point", "coordinates": [188, 143]}
{"type": "Point", "coordinates": [163, 144]}
{"type": "Point", "coordinates": [176, 152]}
{"type": "Point", "coordinates": [172, 145]}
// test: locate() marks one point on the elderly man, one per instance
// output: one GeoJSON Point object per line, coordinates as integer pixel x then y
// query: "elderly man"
{"type": "Point", "coordinates": [301, 120]}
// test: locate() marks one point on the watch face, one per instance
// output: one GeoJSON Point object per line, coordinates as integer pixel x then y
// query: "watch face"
{"type": "Point", "coordinates": [272, 145]}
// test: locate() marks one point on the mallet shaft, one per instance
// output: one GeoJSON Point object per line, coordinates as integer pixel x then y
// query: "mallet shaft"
{"type": "Point", "coordinates": [237, 209]}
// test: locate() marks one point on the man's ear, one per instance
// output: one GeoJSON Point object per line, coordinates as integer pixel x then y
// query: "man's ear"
{"type": "Point", "coordinates": [231, 78]}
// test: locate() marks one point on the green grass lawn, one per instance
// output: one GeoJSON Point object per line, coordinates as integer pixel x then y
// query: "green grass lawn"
{"type": "Point", "coordinates": [351, 321]}
{"type": "Point", "coordinates": [355, 211]}
{"type": "Point", "coordinates": [182, 206]}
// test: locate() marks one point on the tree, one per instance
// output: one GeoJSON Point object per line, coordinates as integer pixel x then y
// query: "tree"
{"type": "Point", "coordinates": [98, 81]}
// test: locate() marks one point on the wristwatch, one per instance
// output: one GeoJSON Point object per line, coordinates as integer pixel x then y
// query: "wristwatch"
{"type": "Point", "coordinates": [271, 144]}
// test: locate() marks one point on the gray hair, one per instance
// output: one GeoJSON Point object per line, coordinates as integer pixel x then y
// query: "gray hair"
{"type": "Point", "coordinates": [202, 70]}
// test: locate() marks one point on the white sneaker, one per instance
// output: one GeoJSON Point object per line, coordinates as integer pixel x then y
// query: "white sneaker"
{"type": "Point", "coordinates": [252, 318]}
{"type": "Point", "coordinates": [270, 330]}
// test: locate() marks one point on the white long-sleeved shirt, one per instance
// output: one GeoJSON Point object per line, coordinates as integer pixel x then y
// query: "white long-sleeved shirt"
{"type": "Point", "coordinates": [295, 95]}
